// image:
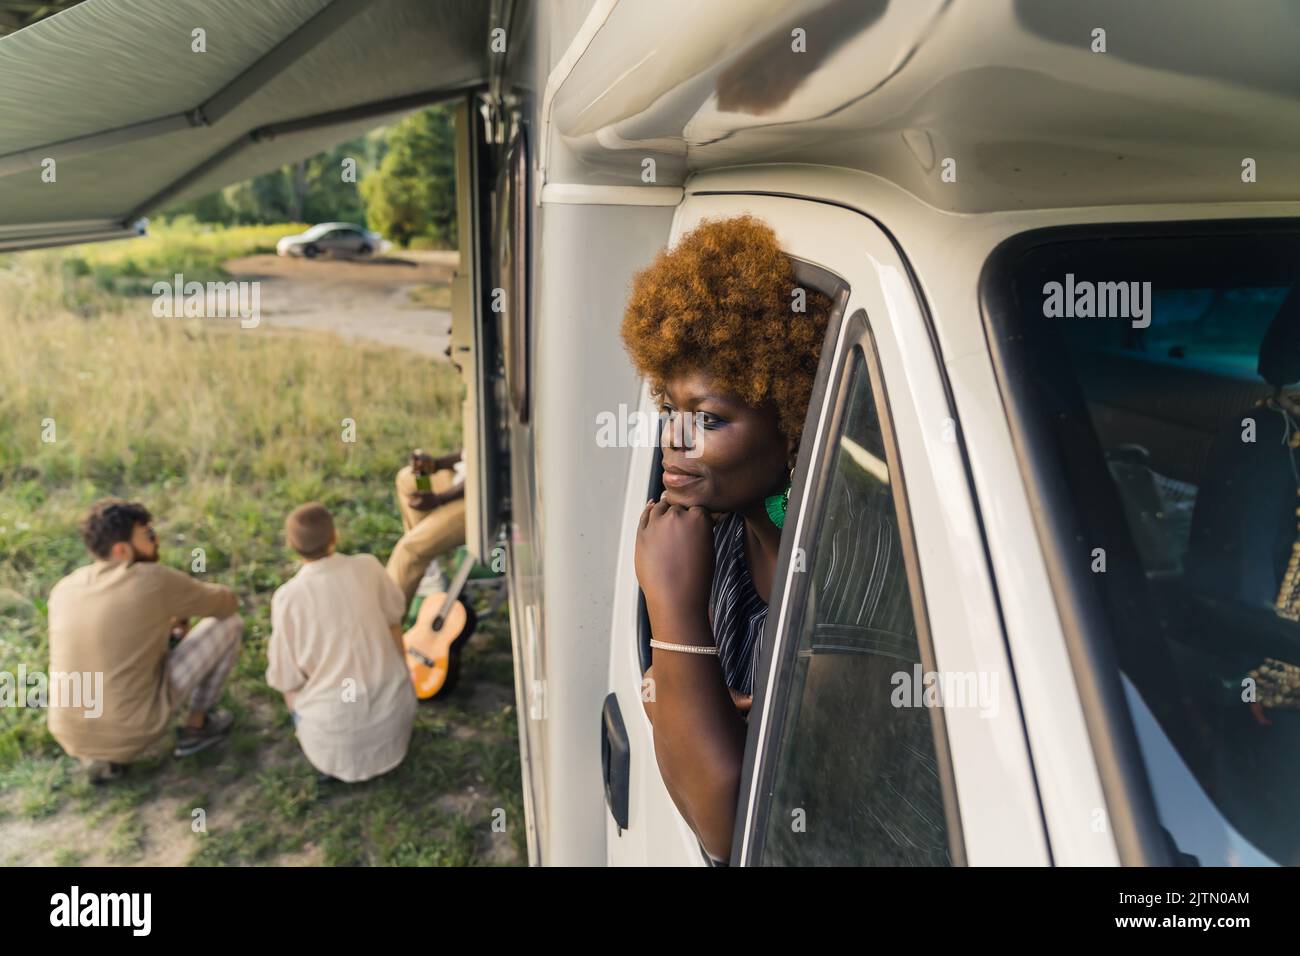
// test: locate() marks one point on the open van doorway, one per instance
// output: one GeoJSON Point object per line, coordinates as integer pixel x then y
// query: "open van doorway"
{"type": "Point", "coordinates": [281, 340]}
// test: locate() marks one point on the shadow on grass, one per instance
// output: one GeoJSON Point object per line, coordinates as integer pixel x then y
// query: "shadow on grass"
{"type": "Point", "coordinates": [254, 799]}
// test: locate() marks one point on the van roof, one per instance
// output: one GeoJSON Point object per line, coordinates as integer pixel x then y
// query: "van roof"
{"type": "Point", "coordinates": [1017, 94]}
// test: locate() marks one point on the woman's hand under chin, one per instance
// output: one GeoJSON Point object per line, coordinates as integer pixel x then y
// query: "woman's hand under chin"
{"type": "Point", "coordinates": [674, 559]}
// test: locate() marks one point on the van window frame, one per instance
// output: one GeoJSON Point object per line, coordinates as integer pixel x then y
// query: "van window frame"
{"type": "Point", "coordinates": [812, 481]}
{"type": "Point", "coordinates": [477, 159]}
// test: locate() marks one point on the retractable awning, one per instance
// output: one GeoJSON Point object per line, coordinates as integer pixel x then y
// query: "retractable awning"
{"type": "Point", "coordinates": [135, 115]}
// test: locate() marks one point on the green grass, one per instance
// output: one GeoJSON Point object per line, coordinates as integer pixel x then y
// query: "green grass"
{"type": "Point", "coordinates": [395, 820]}
{"type": "Point", "coordinates": [132, 266]}
{"type": "Point", "coordinates": [221, 431]}
{"type": "Point", "coordinates": [67, 857]}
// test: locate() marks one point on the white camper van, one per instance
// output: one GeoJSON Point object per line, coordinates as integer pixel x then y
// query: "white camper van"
{"type": "Point", "coordinates": [1096, 561]}
{"type": "Point", "coordinates": [1063, 247]}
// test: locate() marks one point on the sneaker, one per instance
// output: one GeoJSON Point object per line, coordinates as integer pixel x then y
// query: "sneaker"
{"type": "Point", "coordinates": [216, 724]}
{"type": "Point", "coordinates": [102, 771]}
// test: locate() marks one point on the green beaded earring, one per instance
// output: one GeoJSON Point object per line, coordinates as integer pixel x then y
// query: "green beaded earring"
{"type": "Point", "coordinates": [777, 504]}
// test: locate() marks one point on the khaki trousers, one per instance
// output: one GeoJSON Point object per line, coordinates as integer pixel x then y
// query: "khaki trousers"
{"type": "Point", "coordinates": [428, 533]}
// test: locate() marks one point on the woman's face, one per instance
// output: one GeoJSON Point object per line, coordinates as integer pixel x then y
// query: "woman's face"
{"type": "Point", "coordinates": [719, 452]}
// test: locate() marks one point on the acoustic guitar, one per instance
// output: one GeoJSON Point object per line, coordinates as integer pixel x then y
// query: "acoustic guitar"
{"type": "Point", "coordinates": [433, 646]}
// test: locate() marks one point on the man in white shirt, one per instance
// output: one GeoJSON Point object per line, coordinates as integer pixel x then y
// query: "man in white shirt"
{"type": "Point", "coordinates": [336, 654]}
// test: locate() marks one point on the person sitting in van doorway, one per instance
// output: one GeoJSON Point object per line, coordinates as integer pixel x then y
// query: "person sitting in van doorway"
{"type": "Point", "coordinates": [115, 617]}
{"type": "Point", "coordinates": [713, 325]}
{"type": "Point", "coordinates": [431, 497]}
{"type": "Point", "coordinates": [336, 654]}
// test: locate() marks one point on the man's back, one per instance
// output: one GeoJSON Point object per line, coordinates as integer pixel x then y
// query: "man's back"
{"type": "Point", "coordinates": [332, 647]}
{"type": "Point", "coordinates": [114, 618]}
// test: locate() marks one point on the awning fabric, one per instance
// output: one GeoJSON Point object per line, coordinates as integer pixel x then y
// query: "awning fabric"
{"type": "Point", "coordinates": [135, 118]}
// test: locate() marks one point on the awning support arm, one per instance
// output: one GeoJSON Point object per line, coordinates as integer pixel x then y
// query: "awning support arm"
{"type": "Point", "coordinates": [398, 104]}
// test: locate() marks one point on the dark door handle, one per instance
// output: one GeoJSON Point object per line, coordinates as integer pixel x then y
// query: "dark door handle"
{"type": "Point", "coordinates": [615, 760]}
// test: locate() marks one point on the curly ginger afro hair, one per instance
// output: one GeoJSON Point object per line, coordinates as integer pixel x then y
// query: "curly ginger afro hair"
{"type": "Point", "coordinates": [722, 302]}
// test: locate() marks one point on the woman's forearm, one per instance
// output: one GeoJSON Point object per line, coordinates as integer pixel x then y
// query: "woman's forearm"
{"type": "Point", "coordinates": [699, 736]}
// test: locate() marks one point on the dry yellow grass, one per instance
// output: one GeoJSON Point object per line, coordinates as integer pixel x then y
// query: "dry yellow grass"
{"type": "Point", "coordinates": [220, 430]}
{"type": "Point", "coordinates": [134, 397]}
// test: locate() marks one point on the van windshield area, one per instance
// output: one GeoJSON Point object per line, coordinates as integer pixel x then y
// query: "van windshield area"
{"type": "Point", "coordinates": [1160, 374]}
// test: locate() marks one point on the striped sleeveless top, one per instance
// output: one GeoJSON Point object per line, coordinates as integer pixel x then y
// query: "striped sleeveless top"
{"type": "Point", "coordinates": [736, 612]}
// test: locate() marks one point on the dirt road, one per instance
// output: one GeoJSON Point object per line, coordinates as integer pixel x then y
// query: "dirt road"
{"type": "Point", "coordinates": [359, 299]}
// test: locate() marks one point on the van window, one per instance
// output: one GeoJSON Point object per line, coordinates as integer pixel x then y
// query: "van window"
{"type": "Point", "coordinates": [808, 276]}
{"type": "Point", "coordinates": [856, 780]}
{"type": "Point", "coordinates": [1162, 381]}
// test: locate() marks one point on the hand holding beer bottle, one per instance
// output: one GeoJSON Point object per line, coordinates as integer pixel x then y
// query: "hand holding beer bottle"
{"type": "Point", "coordinates": [423, 465]}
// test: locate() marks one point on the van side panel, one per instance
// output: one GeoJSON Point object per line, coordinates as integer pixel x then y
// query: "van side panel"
{"type": "Point", "coordinates": [584, 265]}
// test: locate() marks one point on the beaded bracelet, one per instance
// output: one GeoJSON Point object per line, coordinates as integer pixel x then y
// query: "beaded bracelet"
{"type": "Point", "coordinates": [685, 648]}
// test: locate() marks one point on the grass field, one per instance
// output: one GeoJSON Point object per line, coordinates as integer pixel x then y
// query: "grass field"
{"type": "Point", "coordinates": [220, 431]}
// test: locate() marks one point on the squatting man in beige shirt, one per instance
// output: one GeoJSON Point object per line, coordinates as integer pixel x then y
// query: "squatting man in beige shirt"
{"type": "Point", "coordinates": [336, 654]}
{"type": "Point", "coordinates": [115, 616]}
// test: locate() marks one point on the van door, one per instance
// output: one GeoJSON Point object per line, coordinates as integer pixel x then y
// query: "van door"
{"type": "Point", "coordinates": [492, 344]}
{"type": "Point", "coordinates": [845, 762]}
{"type": "Point", "coordinates": [477, 305]}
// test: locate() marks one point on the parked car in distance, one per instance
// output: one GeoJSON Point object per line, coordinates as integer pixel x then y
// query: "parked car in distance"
{"type": "Point", "coordinates": [334, 238]}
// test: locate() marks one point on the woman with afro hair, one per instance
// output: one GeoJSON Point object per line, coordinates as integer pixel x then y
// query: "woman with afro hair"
{"type": "Point", "coordinates": [729, 344]}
